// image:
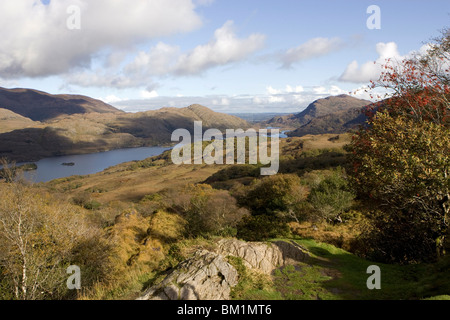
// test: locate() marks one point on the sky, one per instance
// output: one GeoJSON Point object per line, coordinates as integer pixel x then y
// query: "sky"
{"type": "Point", "coordinates": [231, 56]}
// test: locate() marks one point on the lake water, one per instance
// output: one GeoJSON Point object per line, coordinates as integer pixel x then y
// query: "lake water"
{"type": "Point", "coordinates": [52, 168]}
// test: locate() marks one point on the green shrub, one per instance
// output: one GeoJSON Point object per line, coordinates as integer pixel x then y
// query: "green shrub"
{"type": "Point", "coordinates": [273, 194]}
{"type": "Point", "coordinates": [331, 197]}
{"type": "Point", "coordinates": [261, 228]}
{"type": "Point", "coordinates": [207, 211]}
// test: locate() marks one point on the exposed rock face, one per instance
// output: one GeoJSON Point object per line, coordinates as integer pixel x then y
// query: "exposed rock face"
{"type": "Point", "coordinates": [205, 276]}
{"type": "Point", "coordinates": [208, 275]}
{"type": "Point", "coordinates": [263, 256]}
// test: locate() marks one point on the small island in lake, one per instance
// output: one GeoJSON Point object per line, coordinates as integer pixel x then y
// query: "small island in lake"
{"type": "Point", "coordinates": [68, 164]}
{"type": "Point", "coordinates": [28, 167]}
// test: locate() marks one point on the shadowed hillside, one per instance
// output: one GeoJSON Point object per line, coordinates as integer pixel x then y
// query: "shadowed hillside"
{"type": "Point", "coordinates": [41, 106]}
{"type": "Point", "coordinates": [331, 109]}
{"type": "Point", "coordinates": [338, 122]}
{"type": "Point", "coordinates": [84, 125]}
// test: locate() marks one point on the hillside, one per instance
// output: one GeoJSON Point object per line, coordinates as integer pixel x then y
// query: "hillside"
{"type": "Point", "coordinates": [130, 181]}
{"type": "Point", "coordinates": [158, 125]}
{"type": "Point", "coordinates": [147, 206]}
{"type": "Point", "coordinates": [11, 121]}
{"type": "Point", "coordinates": [41, 106]}
{"type": "Point", "coordinates": [338, 122]}
{"type": "Point", "coordinates": [25, 140]}
{"type": "Point", "coordinates": [334, 105]}
{"type": "Point", "coordinates": [287, 269]}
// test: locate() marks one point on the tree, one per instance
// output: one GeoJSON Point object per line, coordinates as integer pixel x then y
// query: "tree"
{"type": "Point", "coordinates": [281, 193]}
{"type": "Point", "coordinates": [418, 87]}
{"type": "Point", "coordinates": [331, 197]}
{"type": "Point", "coordinates": [8, 171]}
{"type": "Point", "coordinates": [401, 167]}
{"type": "Point", "coordinates": [272, 201]}
{"type": "Point", "coordinates": [39, 239]}
{"type": "Point", "coordinates": [207, 211]}
{"type": "Point", "coordinates": [401, 158]}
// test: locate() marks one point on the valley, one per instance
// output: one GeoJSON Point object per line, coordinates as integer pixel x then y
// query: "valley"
{"type": "Point", "coordinates": [96, 128]}
{"type": "Point", "coordinates": [218, 159]}
{"type": "Point", "coordinates": [153, 226]}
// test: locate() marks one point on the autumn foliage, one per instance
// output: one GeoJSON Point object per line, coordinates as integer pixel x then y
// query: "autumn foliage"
{"type": "Point", "coordinates": [400, 160]}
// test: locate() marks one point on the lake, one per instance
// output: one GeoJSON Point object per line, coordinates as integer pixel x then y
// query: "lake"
{"type": "Point", "coordinates": [52, 168]}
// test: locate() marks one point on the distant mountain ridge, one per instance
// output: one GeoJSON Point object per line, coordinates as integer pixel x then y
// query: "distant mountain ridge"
{"type": "Point", "coordinates": [338, 122]}
{"type": "Point", "coordinates": [335, 114]}
{"type": "Point", "coordinates": [42, 106]}
{"type": "Point", "coordinates": [72, 124]}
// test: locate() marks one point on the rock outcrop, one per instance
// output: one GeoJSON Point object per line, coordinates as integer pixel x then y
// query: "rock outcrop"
{"type": "Point", "coordinates": [262, 256]}
{"type": "Point", "coordinates": [208, 275]}
{"type": "Point", "coordinates": [205, 276]}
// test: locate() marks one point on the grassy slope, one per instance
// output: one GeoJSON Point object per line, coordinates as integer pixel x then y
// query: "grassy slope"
{"type": "Point", "coordinates": [95, 132]}
{"type": "Point", "coordinates": [334, 274]}
{"type": "Point", "coordinates": [132, 181]}
{"type": "Point", "coordinates": [10, 121]}
{"type": "Point", "coordinates": [331, 273]}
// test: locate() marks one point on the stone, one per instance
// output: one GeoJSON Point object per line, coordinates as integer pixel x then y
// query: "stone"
{"type": "Point", "coordinates": [261, 256]}
{"type": "Point", "coordinates": [207, 275]}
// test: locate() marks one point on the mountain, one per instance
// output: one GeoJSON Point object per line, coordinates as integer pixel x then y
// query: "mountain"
{"type": "Point", "coordinates": [320, 108]}
{"type": "Point", "coordinates": [42, 106]}
{"type": "Point", "coordinates": [23, 139]}
{"type": "Point", "coordinates": [10, 121]}
{"type": "Point", "coordinates": [338, 122]}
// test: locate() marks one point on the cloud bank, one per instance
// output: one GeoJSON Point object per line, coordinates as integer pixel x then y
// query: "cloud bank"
{"type": "Point", "coordinates": [290, 99]}
{"type": "Point", "coordinates": [224, 48]}
{"type": "Point", "coordinates": [36, 41]}
{"type": "Point", "coordinates": [313, 48]}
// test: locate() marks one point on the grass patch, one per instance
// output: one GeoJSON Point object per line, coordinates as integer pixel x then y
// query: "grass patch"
{"type": "Point", "coordinates": [348, 276]}
{"type": "Point", "coordinates": [335, 274]}
{"type": "Point", "coordinates": [252, 285]}
{"type": "Point", "coordinates": [302, 282]}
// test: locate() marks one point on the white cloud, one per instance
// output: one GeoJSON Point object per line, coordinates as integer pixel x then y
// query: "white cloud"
{"type": "Point", "coordinates": [158, 61]}
{"type": "Point", "coordinates": [335, 91]}
{"type": "Point", "coordinates": [313, 48]}
{"type": "Point", "coordinates": [271, 90]}
{"type": "Point", "coordinates": [283, 103]}
{"type": "Point", "coordinates": [221, 102]}
{"type": "Point", "coordinates": [288, 89]}
{"type": "Point", "coordinates": [104, 78]}
{"type": "Point", "coordinates": [371, 70]}
{"type": "Point", "coordinates": [275, 99]}
{"type": "Point", "coordinates": [36, 42]}
{"type": "Point", "coordinates": [225, 48]}
{"type": "Point", "coordinates": [111, 99]}
{"type": "Point", "coordinates": [257, 100]}
{"type": "Point", "coordinates": [293, 97]}
{"type": "Point", "coordinates": [320, 90]}
{"type": "Point", "coordinates": [145, 94]}
{"type": "Point", "coordinates": [164, 59]}
{"type": "Point", "coordinates": [297, 89]}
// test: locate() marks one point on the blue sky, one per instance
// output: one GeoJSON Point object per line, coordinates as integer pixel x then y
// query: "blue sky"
{"type": "Point", "coordinates": [229, 55]}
